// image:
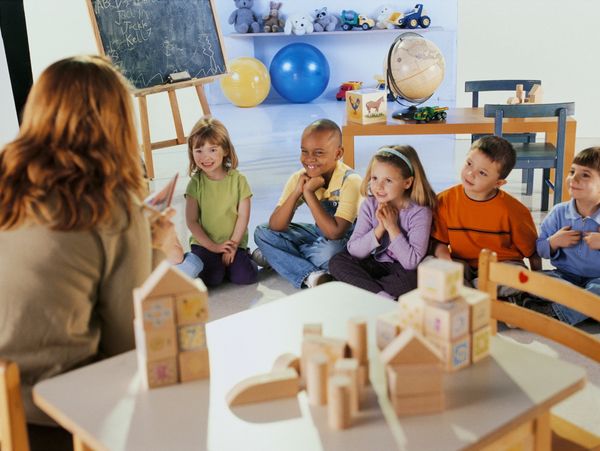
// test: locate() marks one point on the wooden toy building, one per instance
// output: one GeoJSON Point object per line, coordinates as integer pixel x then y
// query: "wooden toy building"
{"type": "Point", "coordinates": [441, 314]}
{"type": "Point", "coordinates": [171, 311]}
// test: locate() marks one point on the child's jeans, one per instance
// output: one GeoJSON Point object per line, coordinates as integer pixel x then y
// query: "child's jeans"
{"type": "Point", "coordinates": [191, 265]}
{"type": "Point", "coordinates": [566, 314]}
{"type": "Point", "coordinates": [242, 270]}
{"type": "Point", "coordinates": [298, 251]}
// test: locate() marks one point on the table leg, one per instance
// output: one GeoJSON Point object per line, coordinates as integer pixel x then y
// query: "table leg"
{"type": "Point", "coordinates": [348, 145]}
{"type": "Point", "coordinates": [542, 432]}
{"type": "Point", "coordinates": [79, 445]}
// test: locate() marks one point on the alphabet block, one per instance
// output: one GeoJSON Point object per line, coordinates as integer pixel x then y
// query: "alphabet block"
{"type": "Point", "coordinates": [440, 280]}
{"type": "Point", "coordinates": [194, 365]}
{"type": "Point", "coordinates": [454, 354]}
{"type": "Point", "coordinates": [366, 106]}
{"type": "Point", "coordinates": [411, 310]}
{"type": "Point", "coordinates": [479, 307]}
{"type": "Point", "coordinates": [155, 313]}
{"type": "Point", "coordinates": [191, 337]}
{"type": "Point", "coordinates": [446, 320]}
{"type": "Point", "coordinates": [387, 327]}
{"type": "Point", "coordinates": [162, 372]}
{"type": "Point", "coordinates": [480, 344]}
{"type": "Point", "coordinates": [192, 308]}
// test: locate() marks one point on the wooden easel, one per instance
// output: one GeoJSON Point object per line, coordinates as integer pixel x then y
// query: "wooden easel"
{"type": "Point", "coordinates": [147, 145]}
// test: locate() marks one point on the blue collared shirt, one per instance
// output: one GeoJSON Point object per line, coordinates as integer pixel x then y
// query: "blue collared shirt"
{"type": "Point", "coordinates": [578, 259]}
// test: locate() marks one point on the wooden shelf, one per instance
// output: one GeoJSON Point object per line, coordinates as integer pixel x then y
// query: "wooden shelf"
{"type": "Point", "coordinates": [354, 32]}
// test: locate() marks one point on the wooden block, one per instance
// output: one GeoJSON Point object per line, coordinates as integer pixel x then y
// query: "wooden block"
{"type": "Point", "coordinates": [333, 348]}
{"type": "Point", "coordinates": [338, 406]}
{"type": "Point", "coordinates": [191, 337]}
{"type": "Point", "coordinates": [162, 372]}
{"type": "Point", "coordinates": [480, 343]}
{"type": "Point", "coordinates": [316, 378]}
{"type": "Point", "coordinates": [454, 354]}
{"type": "Point", "coordinates": [155, 344]}
{"type": "Point", "coordinates": [536, 94]}
{"type": "Point", "coordinates": [155, 313]}
{"type": "Point", "coordinates": [191, 309]}
{"type": "Point", "coordinates": [287, 360]}
{"type": "Point", "coordinates": [349, 368]}
{"type": "Point", "coordinates": [446, 320]}
{"type": "Point", "coordinates": [479, 307]}
{"type": "Point", "coordinates": [411, 310]}
{"type": "Point", "coordinates": [410, 347]}
{"type": "Point", "coordinates": [312, 329]}
{"type": "Point", "coordinates": [363, 376]}
{"type": "Point", "coordinates": [410, 380]}
{"type": "Point", "coordinates": [264, 387]}
{"type": "Point", "coordinates": [357, 339]}
{"type": "Point", "coordinates": [366, 106]}
{"type": "Point", "coordinates": [440, 280]}
{"type": "Point", "coordinates": [520, 93]}
{"type": "Point", "coordinates": [387, 327]}
{"type": "Point", "coordinates": [513, 101]}
{"type": "Point", "coordinates": [194, 365]}
{"type": "Point", "coordinates": [420, 404]}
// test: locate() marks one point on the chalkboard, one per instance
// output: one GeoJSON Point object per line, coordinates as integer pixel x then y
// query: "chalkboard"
{"type": "Point", "coordinates": [150, 39]}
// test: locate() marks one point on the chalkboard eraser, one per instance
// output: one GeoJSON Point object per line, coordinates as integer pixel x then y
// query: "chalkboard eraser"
{"type": "Point", "coordinates": [179, 76]}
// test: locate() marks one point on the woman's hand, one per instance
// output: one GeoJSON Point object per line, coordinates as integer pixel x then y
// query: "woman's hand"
{"type": "Point", "coordinates": [163, 231]}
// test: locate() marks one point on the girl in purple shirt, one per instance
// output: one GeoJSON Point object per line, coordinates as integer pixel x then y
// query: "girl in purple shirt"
{"type": "Point", "coordinates": [391, 235]}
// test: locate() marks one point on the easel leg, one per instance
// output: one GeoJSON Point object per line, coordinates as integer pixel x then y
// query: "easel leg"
{"type": "Point", "coordinates": [146, 144]}
{"type": "Point", "coordinates": [176, 117]}
{"type": "Point", "coordinates": [202, 98]}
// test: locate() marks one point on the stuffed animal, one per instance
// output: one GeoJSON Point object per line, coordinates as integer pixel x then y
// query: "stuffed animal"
{"type": "Point", "coordinates": [273, 23]}
{"type": "Point", "coordinates": [324, 21]}
{"type": "Point", "coordinates": [244, 18]}
{"type": "Point", "coordinates": [383, 13]}
{"type": "Point", "coordinates": [299, 24]}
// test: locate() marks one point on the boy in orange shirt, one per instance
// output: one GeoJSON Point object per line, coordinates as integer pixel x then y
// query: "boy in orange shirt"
{"type": "Point", "coordinates": [477, 214]}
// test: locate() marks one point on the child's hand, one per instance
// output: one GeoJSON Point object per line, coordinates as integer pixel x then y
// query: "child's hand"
{"type": "Point", "coordinates": [225, 247]}
{"type": "Point", "coordinates": [301, 182]}
{"type": "Point", "coordinates": [313, 184]}
{"type": "Point", "coordinates": [227, 258]}
{"type": "Point", "coordinates": [389, 218]}
{"type": "Point", "coordinates": [564, 237]}
{"type": "Point", "coordinates": [592, 239]}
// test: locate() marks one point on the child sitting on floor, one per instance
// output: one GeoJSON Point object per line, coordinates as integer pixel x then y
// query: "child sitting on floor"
{"type": "Point", "coordinates": [391, 236]}
{"type": "Point", "coordinates": [301, 252]}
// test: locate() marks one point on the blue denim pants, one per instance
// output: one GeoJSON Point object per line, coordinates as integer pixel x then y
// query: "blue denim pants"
{"type": "Point", "coordinates": [566, 314]}
{"type": "Point", "coordinates": [300, 250]}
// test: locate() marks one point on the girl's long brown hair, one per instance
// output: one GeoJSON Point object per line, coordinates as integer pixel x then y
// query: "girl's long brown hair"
{"type": "Point", "coordinates": [76, 156]}
{"type": "Point", "coordinates": [211, 130]}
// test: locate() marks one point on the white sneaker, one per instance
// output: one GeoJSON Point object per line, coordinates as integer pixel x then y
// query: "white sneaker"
{"type": "Point", "coordinates": [317, 278]}
{"type": "Point", "coordinates": [259, 259]}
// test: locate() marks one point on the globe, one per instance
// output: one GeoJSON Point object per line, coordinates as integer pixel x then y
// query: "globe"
{"type": "Point", "coordinates": [415, 68]}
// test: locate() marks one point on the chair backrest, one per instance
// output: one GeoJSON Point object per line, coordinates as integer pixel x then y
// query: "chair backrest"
{"type": "Point", "coordinates": [492, 273]}
{"type": "Point", "coordinates": [13, 428]}
{"type": "Point", "coordinates": [559, 110]}
{"type": "Point", "coordinates": [477, 86]}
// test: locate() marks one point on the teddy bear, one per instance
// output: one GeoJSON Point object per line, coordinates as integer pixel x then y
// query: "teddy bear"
{"type": "Point", "coordinates": [244, 18]}
{"type": "Point", "coordinates": [299, 24]}
{"type": "Point", "coordinates": [324, 21]}
{"type": "Point", "coordinates": [273, 23]}
{"type": "Point", "coordinates": [383, 13]}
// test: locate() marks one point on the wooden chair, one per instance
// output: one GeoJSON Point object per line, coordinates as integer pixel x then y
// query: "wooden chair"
{"type": "Point", "coordinates": [492, 273]}
{"type": "Point", "coordinates": [538, 155]}
{"type": "Point", "coordinates": [13, 432]}
{"type": "Point", "coordinates": [477, 86]}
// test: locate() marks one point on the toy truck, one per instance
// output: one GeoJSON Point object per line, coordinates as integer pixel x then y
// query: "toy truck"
{"type": "Point", "coordinates": [429, 113]}
{"type": "Point", "coordinates": [347, 86]}
{"type": "Point", "coordinates": [351, 19]}
{"type": "Point", "coordinates": [411, 19]}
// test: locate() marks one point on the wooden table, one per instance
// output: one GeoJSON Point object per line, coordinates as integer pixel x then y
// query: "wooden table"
{"type": "Point", "coordinates": [502, 396]}
{"type": "Point", "coordinates": [462, 120]}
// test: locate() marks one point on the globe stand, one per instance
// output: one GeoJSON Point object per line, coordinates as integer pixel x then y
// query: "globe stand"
{"type": "Point", "coordinates": [405, 114]}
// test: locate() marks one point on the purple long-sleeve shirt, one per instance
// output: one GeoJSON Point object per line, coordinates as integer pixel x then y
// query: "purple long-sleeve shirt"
{"type": "Point", "coordinates": [409, 248]}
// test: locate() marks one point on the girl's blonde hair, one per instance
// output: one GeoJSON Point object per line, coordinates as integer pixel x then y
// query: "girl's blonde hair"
{"type": "Point", "coordinates": [211, 130]}
{"type": "Point", "coordinates": [420, 191]}
{"type": "Point", "coordinates": [76, 156]}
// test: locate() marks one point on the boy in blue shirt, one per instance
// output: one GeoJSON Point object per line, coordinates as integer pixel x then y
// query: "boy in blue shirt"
{"type": "Point", "coordinates": [570, 235]}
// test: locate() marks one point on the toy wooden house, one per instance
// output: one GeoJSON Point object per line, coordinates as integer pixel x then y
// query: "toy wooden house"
{"type": "Point", "coordinates": [171, 311]}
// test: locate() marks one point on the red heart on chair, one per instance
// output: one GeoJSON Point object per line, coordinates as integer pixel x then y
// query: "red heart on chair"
{"type": "Point", "coordinates": [523, 277]}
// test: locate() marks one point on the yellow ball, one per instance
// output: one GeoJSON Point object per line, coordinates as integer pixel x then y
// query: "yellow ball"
{"type": "Point", "coordinates": [247, 83]}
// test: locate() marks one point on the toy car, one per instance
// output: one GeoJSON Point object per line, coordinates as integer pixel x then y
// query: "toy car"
{"type": "Point", "coordinates": [425, 114]}
{"type": "Point", "coordinates": [347, 86]}
{"type": "Point", "coordinates": [351, 19]}
{"type": "Point", "coordinates": [414, 18]}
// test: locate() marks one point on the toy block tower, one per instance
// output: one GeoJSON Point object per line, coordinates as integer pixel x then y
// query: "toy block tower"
{"type": "Point", "coordinates": [171, 311]}
{"type": "Point", "coordinates": [414, 374]}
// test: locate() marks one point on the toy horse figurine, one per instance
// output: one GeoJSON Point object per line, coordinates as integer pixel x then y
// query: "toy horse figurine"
{"type": "Point", "coordinates": [273, 23]}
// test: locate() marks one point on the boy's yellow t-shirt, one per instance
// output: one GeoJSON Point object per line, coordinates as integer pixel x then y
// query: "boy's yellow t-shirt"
{"type": "Point", "coordinates": [343, 190]}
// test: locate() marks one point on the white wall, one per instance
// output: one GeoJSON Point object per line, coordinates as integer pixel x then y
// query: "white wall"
{"type": "Point", "coordinates": [555, 41]}
{"type": "Point", "coordinates": [9, 126]}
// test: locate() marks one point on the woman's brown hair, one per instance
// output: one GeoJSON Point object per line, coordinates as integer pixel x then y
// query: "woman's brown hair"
{"type": "Point", "coordinates": [211, 130]}
{"type": "Point", "coordinates": [76, 156]}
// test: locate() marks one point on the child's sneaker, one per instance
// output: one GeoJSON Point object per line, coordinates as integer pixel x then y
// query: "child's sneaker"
{"type": "Point", "coordinates": [259, 259]}
{"type": "Point", "coordinates": [317, 278]}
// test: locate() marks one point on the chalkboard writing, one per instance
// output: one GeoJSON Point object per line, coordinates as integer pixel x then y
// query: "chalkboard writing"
{"type": "Point", "coordinates": [150, 39]}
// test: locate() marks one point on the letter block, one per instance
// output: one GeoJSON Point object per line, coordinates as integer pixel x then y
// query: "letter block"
{"type": "Point", "coordinates": [440, 280]}
{"type": "Point", "coordinates": [454, 354]}
{"type": "Point", "coordinates": [479, 307]}
{"type": "Point", "coordinates": [411, 310]}
{"type": "Point", "coordinates": [480, 343]}
{"type": "Point", "coordinates": [447, 320]}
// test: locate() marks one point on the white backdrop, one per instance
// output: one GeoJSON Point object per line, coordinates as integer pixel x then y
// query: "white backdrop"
{"type": "Point", "coordinates": [9, 126]}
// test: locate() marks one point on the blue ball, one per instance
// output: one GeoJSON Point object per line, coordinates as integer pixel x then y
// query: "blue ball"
{"type": "Point", "coordinates": [299, 72]}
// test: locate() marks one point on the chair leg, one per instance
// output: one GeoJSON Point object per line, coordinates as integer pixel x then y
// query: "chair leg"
{"type": "Point", "coordinates": [527, 178]}
{"type": "Point", "coordinates": [545, 189]}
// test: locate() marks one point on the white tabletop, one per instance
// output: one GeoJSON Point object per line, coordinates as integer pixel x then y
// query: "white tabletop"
{"type": "Point", "coordinates": [105, 405]}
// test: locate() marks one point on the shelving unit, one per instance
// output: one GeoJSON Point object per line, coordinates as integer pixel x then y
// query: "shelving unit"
{"type": "Point", "coordinates": [337, 32]}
